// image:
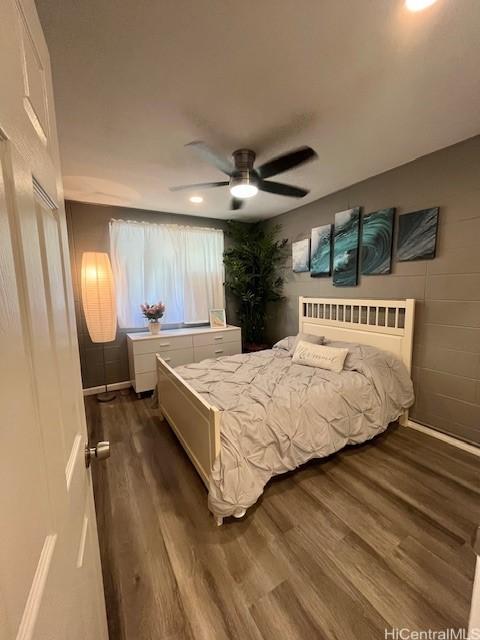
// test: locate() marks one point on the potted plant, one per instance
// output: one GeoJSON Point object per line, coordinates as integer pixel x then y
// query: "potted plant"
{"type": "Point", "coordinates": [153, 313]}
{"type": "Point", "coordinates": [252, 267]}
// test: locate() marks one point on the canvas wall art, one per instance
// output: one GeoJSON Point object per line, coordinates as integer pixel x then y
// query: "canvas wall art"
{"type": "Point", "coordinates": [301, 256]}
{"type": "Point", "coordinates": [376, 245]}
{"type": "Point", "coordinates": [345, 253]}
{"type": "Point", "coordinates": [417, 235]}
{"type": "Point", "coordinates": [321, 250]}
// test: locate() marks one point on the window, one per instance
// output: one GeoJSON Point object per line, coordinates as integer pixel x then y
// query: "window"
{"type": "Point", "coordinates": [181, 266]}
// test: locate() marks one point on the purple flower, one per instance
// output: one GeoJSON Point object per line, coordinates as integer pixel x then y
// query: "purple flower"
{"type": "Point", "coordinates": [153, 312]}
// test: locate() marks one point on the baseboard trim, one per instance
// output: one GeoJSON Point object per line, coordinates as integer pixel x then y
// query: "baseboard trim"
{"type": "Point", "coordinates": [455, 442]}
{"type": "Point", "coordinates": [115, 386]}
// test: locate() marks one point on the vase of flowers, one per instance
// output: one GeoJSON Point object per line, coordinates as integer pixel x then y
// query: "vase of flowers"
{"type": "Point", "coordinates": [153, 313]}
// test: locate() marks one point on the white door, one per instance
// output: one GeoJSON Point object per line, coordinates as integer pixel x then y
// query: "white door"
{"type": "Point", "coordinates": [50, 576]}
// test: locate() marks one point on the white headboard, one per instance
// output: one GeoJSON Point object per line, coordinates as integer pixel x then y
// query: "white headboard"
{"type": "Point", "coordinates": [385, 324]}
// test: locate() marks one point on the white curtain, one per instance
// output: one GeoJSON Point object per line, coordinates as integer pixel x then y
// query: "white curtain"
{"type": "Point", "coordinates": [180, 266]}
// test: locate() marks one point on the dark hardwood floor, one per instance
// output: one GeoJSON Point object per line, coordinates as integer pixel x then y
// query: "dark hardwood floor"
{"type": "Point", "coordinates": [374, 537]}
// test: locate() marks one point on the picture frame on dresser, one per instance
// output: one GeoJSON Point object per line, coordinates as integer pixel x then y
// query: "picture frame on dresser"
{"type": "Point", "coordinates": [217, 318]}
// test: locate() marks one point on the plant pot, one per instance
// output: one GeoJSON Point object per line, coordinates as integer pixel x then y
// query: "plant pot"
{"type": "Point", "coordinates": [154, 327]}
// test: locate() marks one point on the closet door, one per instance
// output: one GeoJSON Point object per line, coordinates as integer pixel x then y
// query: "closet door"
{"type": "Point", "coordinates": [50, 575]}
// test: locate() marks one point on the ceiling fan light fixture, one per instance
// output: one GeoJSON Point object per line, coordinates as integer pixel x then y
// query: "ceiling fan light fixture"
{"type": "Point", "coordinates": [244, 185]}
{"type": "Point", "coordinates": [244, 179]}
{"type": "Point", "coordinates": [244, 190]}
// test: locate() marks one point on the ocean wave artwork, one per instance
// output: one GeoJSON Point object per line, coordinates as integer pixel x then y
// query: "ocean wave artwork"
{"type": "Point", "coordinates": [301, 256]}
{"type": "Point", "coordinates": [321, 251]}
{"type": "Point", "coordinates": [376, 245]}
{"type": "Point", "coordinates": [345, 251]}
{"type": "Point", "coordinates": [417, 235]}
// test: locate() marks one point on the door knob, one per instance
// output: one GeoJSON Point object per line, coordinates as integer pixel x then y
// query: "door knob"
{"type": "Point", "coordinates": [100, 452]}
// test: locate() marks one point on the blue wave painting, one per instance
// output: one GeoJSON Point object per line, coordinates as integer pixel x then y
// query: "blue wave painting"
{"type": "Point", "coordinates": [417, 235]}
{"type": "Point", "coordinates": [345, 254]}
{"type": "Point", "coordinates": [321, 250]}
{"type": "Point", "coordinates": [377, 236]}
{"type": "Point", "coordinates": [301, 255]}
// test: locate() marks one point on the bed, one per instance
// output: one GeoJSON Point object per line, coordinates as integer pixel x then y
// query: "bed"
{"type": "Point", "coordinates": [244, 418]}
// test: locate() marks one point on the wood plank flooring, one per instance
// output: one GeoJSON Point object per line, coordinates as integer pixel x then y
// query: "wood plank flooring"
{"type": "Point", "coordinates": [374, 537]}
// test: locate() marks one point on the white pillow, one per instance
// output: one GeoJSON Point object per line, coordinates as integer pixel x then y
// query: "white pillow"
{"type": "Point", "coordinates": [290, 342]}
{"type": "Point", "coordinates": [318, 355]}
{"type": "Point", "coordinates": [284, 343]}
{"type": "Point", "coordinates": [305, 337]}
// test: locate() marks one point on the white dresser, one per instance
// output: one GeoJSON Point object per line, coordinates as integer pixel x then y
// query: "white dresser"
{"type": "Point", "coordinates": [177, 346]}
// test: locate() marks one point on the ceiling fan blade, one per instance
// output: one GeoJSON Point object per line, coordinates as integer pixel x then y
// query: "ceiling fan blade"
{"type": "Point", "coordinates": [200, 185]}
{"type": "Point", "coordinates": [236, 203]}
{"type": "Point", "coordinates": [286, 161]}
{"type": "Point", "coordinates": [211, 156]}
{"type": "Point", "coordinates": [282, 189]}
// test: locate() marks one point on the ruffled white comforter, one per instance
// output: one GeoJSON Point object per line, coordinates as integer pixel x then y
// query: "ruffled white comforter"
{"type": "Point", "coordinates": [277, 415]}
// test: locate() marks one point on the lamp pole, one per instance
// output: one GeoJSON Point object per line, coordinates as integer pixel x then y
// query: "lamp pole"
{"type": "Point", "coordinates": [105, 396]}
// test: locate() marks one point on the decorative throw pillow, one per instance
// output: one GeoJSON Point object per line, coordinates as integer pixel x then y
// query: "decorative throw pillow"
{"type": "Point", "coordinates": [318, 355]}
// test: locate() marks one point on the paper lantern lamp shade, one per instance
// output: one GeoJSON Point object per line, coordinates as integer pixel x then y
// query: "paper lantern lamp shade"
{"type": "Point", "coordinates": [98, 297]}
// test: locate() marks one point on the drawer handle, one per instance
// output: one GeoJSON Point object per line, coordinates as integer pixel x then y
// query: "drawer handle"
{"type": "Point", "coordinates": [218, 338]}
{"type": "Point", "coordinates": [164, 344]}
{"type": "Point", "coordinates": [218, 351]}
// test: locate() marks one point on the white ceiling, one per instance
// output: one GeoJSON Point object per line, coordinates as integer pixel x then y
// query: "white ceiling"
{"type": "Point", "coordinates": [366, 83]}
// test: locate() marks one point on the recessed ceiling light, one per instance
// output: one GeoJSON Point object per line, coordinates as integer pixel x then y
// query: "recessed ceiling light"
{"type": "Point", "coordinates": [418, 5]}
{"type": "Point", "coordinates": [196, 199]}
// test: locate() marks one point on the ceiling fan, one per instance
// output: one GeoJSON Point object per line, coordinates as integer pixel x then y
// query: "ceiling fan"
{"type": "Point", "coordinates": [244, 180]}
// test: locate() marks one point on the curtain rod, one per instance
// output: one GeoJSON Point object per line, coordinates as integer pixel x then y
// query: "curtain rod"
{"type": "Point", "coordinates": [165, 224]}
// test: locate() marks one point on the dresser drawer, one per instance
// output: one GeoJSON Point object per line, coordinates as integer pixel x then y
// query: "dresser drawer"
{"type": "Point", "coordinates": [162, 343]}
{"type": "Point", "coordinates": [215, 337]}
{"type": "Point", "coordinates": [145, 381]}
{"type": "Point", "coordinates": [176, 357]}
{"type": "Point", "coordinates": [147, 361]}
{"type": "Point", "coordinates": [202, 352]}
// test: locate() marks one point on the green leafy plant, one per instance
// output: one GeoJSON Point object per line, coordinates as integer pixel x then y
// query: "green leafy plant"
{"type": "Point", "coordinates": [252, 268]}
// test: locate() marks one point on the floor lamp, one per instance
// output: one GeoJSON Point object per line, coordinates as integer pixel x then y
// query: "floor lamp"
{"type": "Point", "coordinates": [98, 300]}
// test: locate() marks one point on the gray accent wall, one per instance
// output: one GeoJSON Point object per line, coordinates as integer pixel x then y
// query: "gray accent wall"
{"type": "Point", "coordinates": [446, 359]}
{"type": "Point", "coordinates": [88, 231]}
